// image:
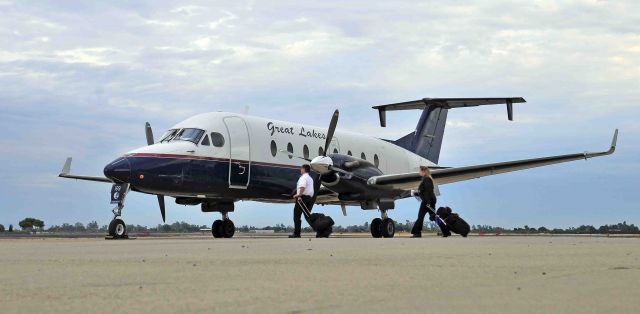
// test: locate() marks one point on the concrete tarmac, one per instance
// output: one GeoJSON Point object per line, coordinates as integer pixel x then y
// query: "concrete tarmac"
{"type": "Point", "coordinates": [337, 275]}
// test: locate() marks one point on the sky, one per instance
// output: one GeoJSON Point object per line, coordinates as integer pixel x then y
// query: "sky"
{"type": "Point", "coordinates": [80, 79]}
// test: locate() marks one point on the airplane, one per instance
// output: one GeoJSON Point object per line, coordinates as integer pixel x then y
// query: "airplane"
{"type": "Point", "coordinates": [216, 159]}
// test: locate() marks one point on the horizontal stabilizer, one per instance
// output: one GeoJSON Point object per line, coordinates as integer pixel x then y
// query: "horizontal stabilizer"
{"type": "Point", "coordinates": [447, 103]}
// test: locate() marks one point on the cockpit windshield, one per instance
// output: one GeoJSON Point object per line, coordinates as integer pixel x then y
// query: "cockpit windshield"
{"type": "Point", "coordinates": [168, 135]}
{"type": "Point", "coordinates": [191, 135]}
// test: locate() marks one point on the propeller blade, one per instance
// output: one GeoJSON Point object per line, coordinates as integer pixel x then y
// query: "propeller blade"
{"type": "Point", "coordinates": [162, 209]}
{"type": "Point", "coordinates": [332, 129]}
{"type": "Point", "coordinates": [149, 133]}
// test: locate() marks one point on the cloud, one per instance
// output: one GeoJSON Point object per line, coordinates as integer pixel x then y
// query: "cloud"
{"type": "Point", "coordinates": [82, 78]}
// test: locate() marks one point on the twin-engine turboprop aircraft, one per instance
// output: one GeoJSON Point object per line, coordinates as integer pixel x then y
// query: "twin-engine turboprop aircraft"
{"type": "Point", "coordinates": [216, 159]}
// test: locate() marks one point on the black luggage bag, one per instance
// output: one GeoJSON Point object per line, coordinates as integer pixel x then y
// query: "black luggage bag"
{"type": "Point", "coordinates": [320, 223]}
{"type": "Point", "coordinates": [453, 221]}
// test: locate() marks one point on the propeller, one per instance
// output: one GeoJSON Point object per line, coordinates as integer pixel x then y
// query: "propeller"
{"type": "Point", "coordinates": [332, 129]}
{"type": "Point", "coordinates": [150, 141]}
{"type": "Point", "coordinates": [323, 164]}
{"type": "Point", "coordinates": [149, 132]}
{"type": "Point", "coordinates": [161, 203]}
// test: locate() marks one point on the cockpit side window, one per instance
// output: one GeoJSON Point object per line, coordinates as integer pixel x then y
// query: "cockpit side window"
{"type": "Point", "coordinates": [217, 139]}
{"type": "Point", "coordinates": [168, 135]}
{"type": "Point", "coordinates": [205, 140]}
{"type": "Point", "coordinates": [191, 135]}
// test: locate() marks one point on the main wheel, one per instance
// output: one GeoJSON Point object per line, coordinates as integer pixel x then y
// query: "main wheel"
{"type": "Point", "coordinates": [388, 228]}
{"type": "Point", "coordinates": [228, 228]}
{"type": "Point", "coordinates": [216, 229]}
{"type": "Point", "coordinates": [375, 228]}
{"type": "Point", "coordinates": [117, 228]}
{"type": "Point", "coordinates": [324, 233]}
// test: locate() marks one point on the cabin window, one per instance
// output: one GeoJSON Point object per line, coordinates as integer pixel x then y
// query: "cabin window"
{"type": "Point", "coordinates": [376, 160]}
{"type": "Point", "coordinates": [274, 148]}
{"type": "Point", "coordinates": [217, 139]}
{"type": "Point", "coordinates": [191, 135]}
{"type": "Point", "coordinates": [363, 156]}
{"type": "Point", "coordinates": [305, 152]}
{"type": "Point", "coordinates": [320, 151]}
{"type": "Point", "coordinates": [349, 153]}
{"type": "Point", "coordinates": [205, 141]}
{"type": "Point", "coordinates": [335, 150]}
{"type": "Point", "coordinates": [290, 150]}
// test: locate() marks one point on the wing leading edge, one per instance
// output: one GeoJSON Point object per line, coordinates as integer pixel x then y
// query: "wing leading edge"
{"type": "Point", "coordinates": [408, 181]}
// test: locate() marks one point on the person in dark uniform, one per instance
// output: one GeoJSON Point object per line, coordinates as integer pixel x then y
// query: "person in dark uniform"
{"type": "Point", "coordinates": [304, 194]}
{"type": "Point", "coordinates": [427, 194]}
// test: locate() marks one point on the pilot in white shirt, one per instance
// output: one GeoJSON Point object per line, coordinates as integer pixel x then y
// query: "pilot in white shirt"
{"type": "Point", "coordinates": [304, 194]}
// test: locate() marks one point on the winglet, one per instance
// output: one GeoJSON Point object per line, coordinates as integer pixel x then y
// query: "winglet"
{"type": "Point", "coordinates": [614, 141]}
{"type": "Point", "coordinates": [67, 167]}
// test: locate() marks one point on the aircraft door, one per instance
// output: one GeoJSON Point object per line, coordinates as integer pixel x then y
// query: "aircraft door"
{"type": "Point", "coordinates": [239, 152]}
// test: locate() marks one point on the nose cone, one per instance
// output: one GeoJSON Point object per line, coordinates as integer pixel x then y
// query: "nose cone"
{"type": "Point", "coordinates": [119, 170]}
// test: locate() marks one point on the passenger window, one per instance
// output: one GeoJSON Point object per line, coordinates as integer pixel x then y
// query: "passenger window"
{"type": "Point", "coordinates": [363, 156]}
{"type": "Point", "coordinates": [376, 160]}
{"type": "Point", "coordinates": [217, 139]}
{"type": "Point", "coordinates": [305, 152]}
{"type": "Point", "coordinates": [349, 153]}
{"type": "Point", "coordinates": [274, 148]}
{"type": "Point", "coordinates": [290, 150]}
{"type": "Point", "coordinates": [320, 151]}
{"type": "Point", "coordinates": [205, 140]}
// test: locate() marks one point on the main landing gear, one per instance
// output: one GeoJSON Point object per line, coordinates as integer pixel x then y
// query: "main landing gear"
{"type": "Point", "coordinates": [223, 228]}
{"type": "Point", "coordinates": [383, 227]}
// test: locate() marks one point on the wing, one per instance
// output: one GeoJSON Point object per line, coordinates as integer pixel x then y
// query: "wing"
{"type": "Point", "coordinates": [67, 168]}
{"type": "Point", "coordinates": [407, 181]}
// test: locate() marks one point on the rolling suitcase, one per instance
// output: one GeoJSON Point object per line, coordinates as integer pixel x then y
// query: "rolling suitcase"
{"type": "Point", "coordinates": [320, 223]}
{"type": "Point", "coordinates": [453, 221]}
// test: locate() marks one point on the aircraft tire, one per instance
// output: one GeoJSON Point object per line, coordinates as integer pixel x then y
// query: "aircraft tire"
{"type": "Point", "coordinates": [388, 228]}
{"type": "Point", "coordinates": [324, 233]}
{"type": "Point", "coordinates": [228, 228]}
{"type": "Point", "coordinates": [117, 228]}
{"type": "Point", "coordinates": [375, 228]}
{"type": "Point", "coordinates": [216, 229]}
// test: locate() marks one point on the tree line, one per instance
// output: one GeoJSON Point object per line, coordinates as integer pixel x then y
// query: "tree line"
{"type": "Point", "coordinates": [32, 224]}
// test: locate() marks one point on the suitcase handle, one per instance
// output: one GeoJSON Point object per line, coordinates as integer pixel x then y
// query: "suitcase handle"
{"type": "Point", "coordinates": [304, 207]}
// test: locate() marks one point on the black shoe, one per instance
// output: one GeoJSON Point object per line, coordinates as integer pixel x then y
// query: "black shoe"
{"type": "Point", "coordinates": [294, 236]}
{"type": "Point", "coordinates": [416, 235]}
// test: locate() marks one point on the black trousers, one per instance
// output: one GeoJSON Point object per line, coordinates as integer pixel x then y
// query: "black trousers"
{"type": "Point", "coordinates": [424, 209]}
{"type": "Point", "coordinates": [297, 213]}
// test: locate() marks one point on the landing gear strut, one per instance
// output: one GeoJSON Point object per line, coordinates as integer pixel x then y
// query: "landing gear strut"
{"type": "Point", "coordinates": [383, 227]}
{"type": "Point", "coordinates": [223, 228]}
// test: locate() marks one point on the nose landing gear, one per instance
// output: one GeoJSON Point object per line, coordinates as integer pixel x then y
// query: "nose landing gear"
{"type": "Point", "coordinates": [117, 227]}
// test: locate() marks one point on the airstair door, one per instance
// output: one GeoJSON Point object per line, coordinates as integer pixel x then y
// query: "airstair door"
{"type": "Point", "coordinates": [239, 152]}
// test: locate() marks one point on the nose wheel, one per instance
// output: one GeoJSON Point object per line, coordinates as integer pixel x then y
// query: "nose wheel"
{"type": "Point", "coordinates": [224, 228]}
{"type": "Point", "coordinates": [383, 227]}
{"type": "Point", "coordinates": [118, 229]}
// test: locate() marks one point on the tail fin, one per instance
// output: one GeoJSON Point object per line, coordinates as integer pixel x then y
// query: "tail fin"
{"type": "Point", "coordinates": [426, 140]}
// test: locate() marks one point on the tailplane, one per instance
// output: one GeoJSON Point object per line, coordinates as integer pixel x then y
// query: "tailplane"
{"type": "Point", "coordinates": [426, 140]}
